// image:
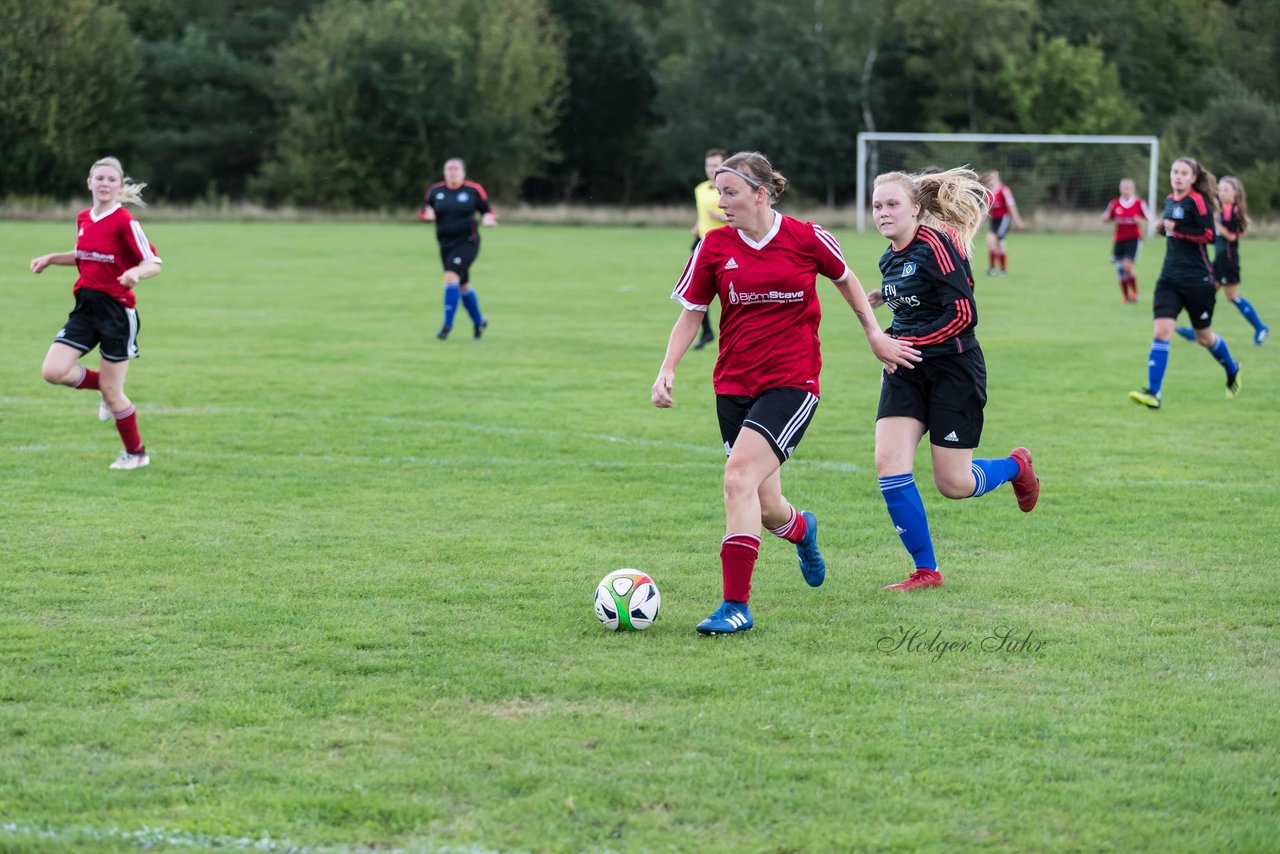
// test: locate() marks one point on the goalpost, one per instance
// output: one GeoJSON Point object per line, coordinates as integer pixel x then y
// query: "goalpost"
{"type": "Point", "coordinates": [1053, 171]}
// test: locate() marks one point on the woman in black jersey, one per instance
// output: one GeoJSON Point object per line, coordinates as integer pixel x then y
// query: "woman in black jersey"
{"type": "Point", "coordinates": [452, 204]}
{"type": "Point", "coordinates": [930, 221]}
{"type": "Point", "coordinates": [1232, 223]}
{"type": "Point", "coordinates": [1186, 277]}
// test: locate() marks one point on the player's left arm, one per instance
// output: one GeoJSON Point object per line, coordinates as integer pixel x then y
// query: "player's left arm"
{"type": "Point", "coordinates": [488, 216]}
{"type": "Point", "coordinates": [1013, 210]}
{"type": "Point", "coordinates": [148, 261]}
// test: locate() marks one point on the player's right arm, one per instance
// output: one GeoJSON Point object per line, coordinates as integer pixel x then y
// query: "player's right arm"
{"type": "Point", "coordinates": [65, 259]}
{"type": "Point", "coordinates": [688, 326]}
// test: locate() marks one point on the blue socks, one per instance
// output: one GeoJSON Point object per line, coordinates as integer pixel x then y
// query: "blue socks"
{"type": "Point", "coordinates": [1246, 308]}
{"type": "Point", "coordinates": [1157, 362]}
{"type": "Point", "coordinates": [989, 474]}
{"type": "Point", "coordinates": [472, 304]}
{"type": "Point", "coordinates": [1220, 352]}
{"type": "Point", "coordinates": [907, 512]}
{"type": "Point", "coordinates": [451, 293]}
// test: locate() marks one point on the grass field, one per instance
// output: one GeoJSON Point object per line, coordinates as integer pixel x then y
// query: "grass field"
{"type": "Point", "coordinates": [348, 605]}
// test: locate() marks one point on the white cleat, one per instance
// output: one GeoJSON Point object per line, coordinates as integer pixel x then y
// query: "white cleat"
{"type": "Point", "coordinates": [127, 461]}
{"type": "Point", "coordinates": [104, 411]}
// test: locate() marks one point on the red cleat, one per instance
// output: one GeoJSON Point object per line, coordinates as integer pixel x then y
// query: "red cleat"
{"type": "Point", "coordinates": [1026, 486]}
{"type": "Point", "coordinates": [920, 578]}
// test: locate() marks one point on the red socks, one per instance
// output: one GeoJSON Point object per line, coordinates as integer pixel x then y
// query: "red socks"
{"type": "Point", "coordinates": [738, 553]}
{"type": "Point", "coordinates": [127, 426]}
{"type": "Point", "coordinates": [89, 380]}
{"type": "Point", "coordinates": [793, 530]}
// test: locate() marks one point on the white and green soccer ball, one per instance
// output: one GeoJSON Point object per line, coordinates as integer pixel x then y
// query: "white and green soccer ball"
{"type": "Point", "coordinates": [627, 600]}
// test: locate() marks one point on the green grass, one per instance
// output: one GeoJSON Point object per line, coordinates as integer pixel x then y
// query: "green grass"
{"type": "Point", "coordinates": [349, 603]}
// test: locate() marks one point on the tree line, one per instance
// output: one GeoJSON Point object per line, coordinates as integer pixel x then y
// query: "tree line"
{"type": "Point", "coordinates": [351, 104]}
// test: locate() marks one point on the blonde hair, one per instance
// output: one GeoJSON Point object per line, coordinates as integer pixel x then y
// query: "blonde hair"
{"type": "Point", "coordinates": [1234, 183]}
{"type": "Point", "coordinates": [954, 199]}
{"type": "Point", "coordinates": [130, 193]}
{"type": "Point", "coordinates": [756, 169]}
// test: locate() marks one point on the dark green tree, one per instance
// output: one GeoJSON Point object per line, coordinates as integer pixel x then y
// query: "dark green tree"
{"type": "Point", "coordinates": [68, 89]}
{"type": "Point", "coordinates": [607, 106]}
{"type": "Point", "coordinates": [377, 95]}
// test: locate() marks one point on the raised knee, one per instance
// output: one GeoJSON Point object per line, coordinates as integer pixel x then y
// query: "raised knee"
{"type": "Point", "coordinates": [954, 489]}
{"type": "Point", "coordinates": [55, 375]}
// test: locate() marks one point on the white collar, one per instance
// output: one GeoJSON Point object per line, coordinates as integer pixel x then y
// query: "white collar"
{"type": "Point", "coordinates": [769, 235]}
{"type": "Point", "coordinates": [108, 212]}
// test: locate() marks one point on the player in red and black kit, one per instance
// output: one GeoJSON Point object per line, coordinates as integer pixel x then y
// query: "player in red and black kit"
{"type": "Point", "coordinates": [452, 204]}
{"type": "Point", "coordinates": [1130, 214]}
{"type": "Point", "coordinates": [1003, 211]}
{"type": "Point", "coordinates": [112, 256]}
{"type": "Point", "coordinates": [763, 268]}
{"type": "Point", "coordinates": [927, 283]}
{"type": "Point", "coordinates": [1186, 278]}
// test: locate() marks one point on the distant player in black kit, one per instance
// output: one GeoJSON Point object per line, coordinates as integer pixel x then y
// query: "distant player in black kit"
{"type": "Point", "coordinates": [452, 204]}
{"type": "Point", "coordinates": [1186, 277]}
{"type": "Point", "coordinates": [930, 221]}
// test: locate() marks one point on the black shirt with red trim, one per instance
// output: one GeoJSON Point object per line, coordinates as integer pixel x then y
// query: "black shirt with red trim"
{"type": "Point", "coordinates": [456, 210]}
{"type": "Point", "coordinates": [1185, 255]}
{"type": "Point", "coordinates": [928, 285]}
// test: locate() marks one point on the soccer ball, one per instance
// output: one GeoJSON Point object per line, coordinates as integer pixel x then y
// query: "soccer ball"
{"type": "Point", "coordinates": [627, 600]}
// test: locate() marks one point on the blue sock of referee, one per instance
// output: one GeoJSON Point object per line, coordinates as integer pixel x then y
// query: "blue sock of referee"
{"type": "Point", "coordinates": [1157, 362]}
{"type": "Point", "coordinates": [989, 474]}
{"type": "Point", "coordinates": [1220, 352]}
{"type": "Point", "coordinates": [1246, 308]}
{"type": "Point", "coordinates": [472, 304]}
{"type": "Point", "coordinates": [451, 294]}
{"type": "Point", "coordinates": [907, 512]}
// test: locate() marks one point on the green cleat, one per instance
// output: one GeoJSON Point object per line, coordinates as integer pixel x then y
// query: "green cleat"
{"type": "Point", "coordinates": [1146, 397]}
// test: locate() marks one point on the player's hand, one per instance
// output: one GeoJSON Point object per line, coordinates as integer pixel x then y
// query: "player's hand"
{"type": "Point", "coordinates": [661, 394]}
{"type": "Point", "coordinates": [875, 298]}
{"type": "Point", "coordinates": [1168, 225]}
{"type": "Point", "coordinates": [427, 215]}
{"type": "Point", "coordinates": [129, 278]}
{"type": "Point", "coordinates": [38, 264]}
{"type": "Point", "coordinates": [893, 353]}
{"type": "Point", "coordinates": [489, 220]}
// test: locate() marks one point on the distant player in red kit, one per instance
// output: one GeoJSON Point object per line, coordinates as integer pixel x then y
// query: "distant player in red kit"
{"type": "Point", "coordinates": [1003, 213]}
{"type": "Point", "coordinates": [112, 255]}
{"type": "Point", "coordinates": [763, 268]}
{"type": "Point", "coordinates": [1130, 214]}
{"type": "Point", "coordinates": [452, 204]}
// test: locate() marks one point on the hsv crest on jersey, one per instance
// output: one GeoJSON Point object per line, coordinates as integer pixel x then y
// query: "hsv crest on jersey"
{"type": "Point", "coordinates": [908, 269]}
{"type": "Point", "coordinates": [1178, 213]}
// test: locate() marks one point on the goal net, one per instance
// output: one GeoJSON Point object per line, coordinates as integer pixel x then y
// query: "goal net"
{"type": "Point", "coordinates": [1060, 182]}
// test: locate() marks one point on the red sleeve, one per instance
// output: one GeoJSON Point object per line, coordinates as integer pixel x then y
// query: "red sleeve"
{"type": "Point", "coordinates": [697, 285]}
{"type": "Point", "coordinates": [482, 198]}
{"type": "Point", "coordinates": [828, 255]}
{"type": "Point", "coordinates": [1110, 212]}
{"type": "Point", "coordinates": [131, 234]}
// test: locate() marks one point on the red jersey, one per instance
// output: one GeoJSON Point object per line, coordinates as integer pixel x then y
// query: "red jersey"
{"type": "Point", "coordinates": [769, 313]}
{"type": "Point", "coordinates": [1126, 216]}
{"type": "Point", "coordinates": [1001, 201]}
{"type": "Point", "coordinates": [106, 246]}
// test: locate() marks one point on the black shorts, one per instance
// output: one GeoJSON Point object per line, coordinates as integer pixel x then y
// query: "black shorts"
{"type": "Point", "coordinates": [458, 258]}
{"type": "Point", "coordinates": [1196, 297]}
{"type": "Point", "coordinates": [1000, 225]}
{"type": "Point", "coordinates": [99, 321]}
{"type": "Point", "coordinates": [945, 393]}
{"type": "Point", "coordinates": [780, 415]}
{"type": "Point", "coordinates": [1126, 250]}
{"type": "Point", "coordinates": [1226, 267]}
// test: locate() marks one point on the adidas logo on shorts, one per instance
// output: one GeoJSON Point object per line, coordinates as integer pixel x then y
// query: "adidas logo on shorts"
{"type": "Point", "coordinates": [951, 437]}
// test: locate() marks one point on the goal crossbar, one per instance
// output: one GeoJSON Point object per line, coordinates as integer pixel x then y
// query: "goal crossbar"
{"type": "Point", "coordinates": [865, 137]}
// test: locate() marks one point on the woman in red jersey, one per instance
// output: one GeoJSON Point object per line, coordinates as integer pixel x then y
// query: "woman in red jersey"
{"type": "Point", "coordinates": [112, 255]}
{"type": "Point", "coordinates": [1003, 211]}
{"type": "Point", "coordinates": [1130, 214]}
{"type": "Point", "coordinates": [763, 268]}
{"type": "Point", "coordinates": [927, 282]}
